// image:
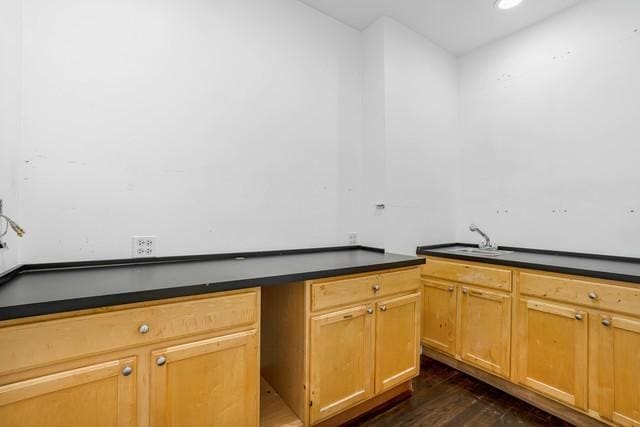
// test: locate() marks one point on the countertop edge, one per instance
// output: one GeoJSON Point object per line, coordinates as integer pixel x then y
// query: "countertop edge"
{"type": "Point", "coordinates": [432, 251]}
{"type": "Point", "coordinates": [69, 305]}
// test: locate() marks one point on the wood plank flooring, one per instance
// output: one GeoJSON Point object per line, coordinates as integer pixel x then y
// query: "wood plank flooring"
{"type": "Point", "coordinates": [446, 397]}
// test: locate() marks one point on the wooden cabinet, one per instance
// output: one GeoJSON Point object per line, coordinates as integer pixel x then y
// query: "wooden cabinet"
{"type": "Point", "coordinates": [397, 341]}
{"type": "Point", "coordinates": [469, 273]}
{"type": "Point", "coordinates": [552, 350]}
{"type": "Point", "coordinates": [574, 341]}
{"type": "Point", "coordinates": [342, 358]}
{"type": "Point", "coordinates": [344, 345]}
{"type": "Point", "coordinates": [101, 394]}
{"type": "Point", "coordinates": [439, 315]}
{"type": "Point", "coordinates": [72, 337]}
{"type": "Point", "coordinates": [619, 368]}
{"type": "Point", "coordinates": [470, 323]}
{"type": "Point", "coordinates": [206, 383]}
{"type": "Point", "coordinates": [362, 350]}
{"type": "Point", "coordinates": [485, 330]}
{"type": "Point", "coordinates": [586, 292]}
{"type": "Point", "coordinates": [189, 361]}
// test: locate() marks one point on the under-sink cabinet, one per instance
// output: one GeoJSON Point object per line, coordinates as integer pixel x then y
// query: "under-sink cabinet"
{"type": "Point", "coordinates": [439, 315]}
{"type": "Point", "coordinates": [470, 318]}
{"type": "Point", "coordinates": [485, 329]}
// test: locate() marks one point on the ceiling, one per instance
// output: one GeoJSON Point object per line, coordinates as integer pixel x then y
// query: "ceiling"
{"type": "Point", "coordinates": [456, 25]}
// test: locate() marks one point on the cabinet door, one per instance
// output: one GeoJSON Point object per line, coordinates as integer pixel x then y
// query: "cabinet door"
{"type": "Point", "coordinates": [439, 316]}
{"type": "Point", "coordinates": [397, 341]}
{"type": "Point", "coordinates": [212, 382]}
{"type": "Point", "coordinates": [485, 330]}
{"type": "Point", "coordinates": [552, 346]}
{"type": "Point", "coordinates": [341, 360]}
{"type": "Point", "coordinates": [95, 395]}
{"type": "Point", "coordinates": [619, 369]}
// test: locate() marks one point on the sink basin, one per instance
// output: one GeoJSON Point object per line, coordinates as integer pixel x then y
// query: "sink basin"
{"type": "Point", "coordinates": [478, 251]}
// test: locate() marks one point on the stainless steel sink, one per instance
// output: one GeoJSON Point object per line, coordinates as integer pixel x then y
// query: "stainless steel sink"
{"type": "Point", "coordinates": [478, 251]}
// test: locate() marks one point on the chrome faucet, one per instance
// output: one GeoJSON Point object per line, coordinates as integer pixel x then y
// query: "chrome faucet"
{"type": "Point", "coordinates": [487, 241]}
{"type": "Point", "coordinates": [9, 224]}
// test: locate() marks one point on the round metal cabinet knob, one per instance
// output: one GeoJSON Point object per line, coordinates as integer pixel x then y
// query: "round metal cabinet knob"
{"type": "Point", "coordinates": [578, 316]}
{"type": "Point", "coordinates": [370, 310]}
{"type": "Point", "coordinates": [383, 308]}
{"type": "Point", "coordinates": [127, 370]}
{"type": "Point", "coordinates": [606, 322]}
{"type": "Point", "coordinates": [143, 329]}
{"type": "Point", "coordinates": [161, 360]}
{"type": "Point", "coordinates": [593, 296]}
{"type": "Point", "coordinates": [464, 291]}
{"type": "Point", "coordinates": [375, 287]}
{"type": "Point", "coordinates": [450, 289]}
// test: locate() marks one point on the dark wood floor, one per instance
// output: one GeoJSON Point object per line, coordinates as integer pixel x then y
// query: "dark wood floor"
{"type": "Point", "coordinates": [446, 397]}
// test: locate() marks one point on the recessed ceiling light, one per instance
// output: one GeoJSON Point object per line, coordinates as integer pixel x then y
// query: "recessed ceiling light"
{"type": "Point", "coordinates": [507, 4]}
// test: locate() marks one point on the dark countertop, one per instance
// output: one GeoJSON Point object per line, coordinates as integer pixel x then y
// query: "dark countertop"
{"type": "Point", "coordinates": [589, 265]}
{"type": "Point", "coordinates": [54, 288]}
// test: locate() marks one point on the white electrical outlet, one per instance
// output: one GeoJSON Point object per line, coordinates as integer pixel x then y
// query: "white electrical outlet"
{"type": "Point", "coordinates": [352, 238]}
{"type": "Point", "coordinates": [143, 246]}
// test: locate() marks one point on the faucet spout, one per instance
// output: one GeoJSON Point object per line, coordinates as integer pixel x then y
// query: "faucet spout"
{"type": "Point", "coordinates": [487, 241]}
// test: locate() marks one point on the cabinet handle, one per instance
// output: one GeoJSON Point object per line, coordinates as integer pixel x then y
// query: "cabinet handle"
{"type": "Point", "coordinates": [383, 307]}
{"type": "Point", "coordinates": [464, 291]}
{"type": "Point", "coordinates": [375, 287]}
{"type": "Point", "coordinates": [143, 329]}
{"type": "Point", "coordinates": [161, 360]}
{"type": "Point", "coordinates": [606, 322]}
{"type": "Point", "coordinates": [578, 316]}
{"type": "Point", "coordinates": [370, 310]}
{"type": "Point", "coordinates": [450, 289]}
{"type": "Point", "coordinates": [593, 296]}
{"type": "Point", "coordinates": [126, 371]}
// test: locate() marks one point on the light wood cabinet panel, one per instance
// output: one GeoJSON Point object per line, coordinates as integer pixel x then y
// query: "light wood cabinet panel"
{"type": "Point", "coordinates": [341, 360]}
{"type": "Point", "coordinates": [439, 315]}
{"type": "Point", "coordinates": [552, 351]}
{"type": "Point", "coordinates": [397, 341]}
{"type": "Point", "coordinates": [343, 292]}
{"type": "Point", "coordinates": [355, 290]}
{"type": "Point", "coordinates": [102, 394]}
{"type": "Point", "coordinates": [572, 290]}
{"type": "Point", "coordinates": [212, 382]}
{"type": "Point", "coordinates": [619, 369]}
{"type": "Point", "coordinates": [48, 342]}
{"type": "Point", "coordinates": [485, 330]}
{"type": "Point", "coordinates": [396, 282]}
{"type": "Point", "coordinates": [473, 274]}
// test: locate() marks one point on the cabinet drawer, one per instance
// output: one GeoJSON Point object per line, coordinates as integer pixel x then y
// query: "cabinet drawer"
{"type": "Point", "coordinates": [575, 291]}
{"type": "Point", "coordinates": [348, 291]}
{"type": "Point", "coordinates": [47, 342]}
{"type": "Point", "coordinates": [399, 281]}
{"type": "Point", "coordinates": [490, 277]}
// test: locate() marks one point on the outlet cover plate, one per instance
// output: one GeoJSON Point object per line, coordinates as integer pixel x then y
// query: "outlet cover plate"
{"type": "Point", "coordinates": [143, 246]}
{"type": "Point", "coordinates": [352, 238]}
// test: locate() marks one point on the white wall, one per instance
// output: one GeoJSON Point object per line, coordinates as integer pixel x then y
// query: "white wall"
{"type": "Point", "coordinates": [241, 124]}
{"type": "Point", "coordinates": [411, 97]}
{"type": "Point", "coordinates": [422, 118]}
{"type": "Point", "coordinates": [215, 125]}
{"type": "Point", "coordinates": [551, 123]}
{"type": "Point", "coordinates": [10, 22]}
{"type": "Point", "coordinates": [374, 175]}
